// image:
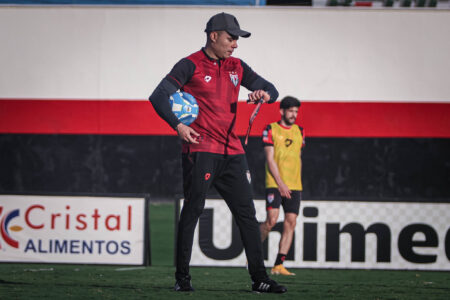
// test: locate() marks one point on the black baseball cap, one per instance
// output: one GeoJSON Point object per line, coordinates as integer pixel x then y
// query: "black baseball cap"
{"type": "Point", "coordinates": [288, 102]}
{"type": "Point", "coordinates": [226, 22]}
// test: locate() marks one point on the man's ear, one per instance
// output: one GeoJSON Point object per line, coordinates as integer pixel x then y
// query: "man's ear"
{"type": "Point", "coordinates": [213, 36]}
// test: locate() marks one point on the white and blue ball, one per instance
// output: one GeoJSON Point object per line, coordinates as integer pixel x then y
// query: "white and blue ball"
{"type": "Point", "coordinates": [184, 106]}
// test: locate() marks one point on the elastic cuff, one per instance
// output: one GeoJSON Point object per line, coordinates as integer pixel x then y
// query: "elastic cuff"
{"type": "Point", "coordinates": [175, 127]}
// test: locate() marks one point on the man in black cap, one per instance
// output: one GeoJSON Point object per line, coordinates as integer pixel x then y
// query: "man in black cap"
{"type": "Point", "coordinates": [212, 154]}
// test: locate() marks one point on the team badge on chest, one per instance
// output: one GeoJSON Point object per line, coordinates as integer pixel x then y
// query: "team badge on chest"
{"type": "Point", "coordinates": [234, 78]}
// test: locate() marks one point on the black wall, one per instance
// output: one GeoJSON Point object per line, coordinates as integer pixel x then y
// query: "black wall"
{"type": "Point", "coordinates": [392, 169]}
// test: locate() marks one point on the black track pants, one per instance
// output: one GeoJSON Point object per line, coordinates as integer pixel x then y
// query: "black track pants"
{"type": "Point", "coordinates": [230, 176]}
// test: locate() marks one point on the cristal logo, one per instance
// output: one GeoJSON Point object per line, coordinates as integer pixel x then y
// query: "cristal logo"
{"type": "Point", "coordinates": [69, 229]}
{"type": "Point", "coordinates": [4, 229]}
{"type": "Point", "coordinates": [36, 218]}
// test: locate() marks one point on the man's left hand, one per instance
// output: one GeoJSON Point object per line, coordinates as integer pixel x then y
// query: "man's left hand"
{"type": "Point", "coordinates": [257, 95]}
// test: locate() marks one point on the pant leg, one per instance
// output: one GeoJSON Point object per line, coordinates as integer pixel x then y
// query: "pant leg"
{"type": "Point", "coordinates": [198, 173]}
{"type": "Point", "coordinates": [235, 187]}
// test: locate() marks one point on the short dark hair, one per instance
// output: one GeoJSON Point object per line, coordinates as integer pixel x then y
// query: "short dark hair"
{"type": "Point", "coordinates": [288, 102]}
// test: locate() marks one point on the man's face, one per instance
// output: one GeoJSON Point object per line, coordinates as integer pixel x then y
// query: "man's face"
{"type": "Point", "coordinates": [223, 44]}
{"type": "Point", "coordinates": [289, 115]}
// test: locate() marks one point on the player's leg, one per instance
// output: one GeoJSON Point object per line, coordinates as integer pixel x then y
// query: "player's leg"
{"type": "Point", "coordinates": [269, 223]}
{"type": "Point", "coordinates": [198, 172]}
{"type": "Point", "coordinates": [234, 184]}
{"type": "Point", "coordinates": [273, 201]}
{"type": "Point", "coordinates": [291, 208]}
{"type": "Point", "coordinates": [290, 221]}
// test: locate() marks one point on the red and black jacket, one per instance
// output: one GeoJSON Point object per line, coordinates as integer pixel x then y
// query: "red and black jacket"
{"type": "Point", "coordinates": [215, 85]}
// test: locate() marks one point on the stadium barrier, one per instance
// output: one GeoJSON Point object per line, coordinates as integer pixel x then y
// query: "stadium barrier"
{"type": "Point", "coordinates": [335, 234]}
{"type": "Point", "coordinates": [75, 229]}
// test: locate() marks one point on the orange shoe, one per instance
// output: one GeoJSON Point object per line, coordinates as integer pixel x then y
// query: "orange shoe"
{"type": "Point", "coordinates": [281, 270]}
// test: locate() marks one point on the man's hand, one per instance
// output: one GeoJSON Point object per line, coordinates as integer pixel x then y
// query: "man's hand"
{"type": "Point", "coordinates": [187, 134]}
{"type": "Point", "coordinates": [255, 96]}
{"type": "Point", "coordinates": [284, 190]}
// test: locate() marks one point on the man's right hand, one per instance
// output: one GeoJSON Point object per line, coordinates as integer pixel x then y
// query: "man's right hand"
{"type": "Point", "coordinates": [284, 190]}
{"type": "Point", "coordinates": [187, 134]}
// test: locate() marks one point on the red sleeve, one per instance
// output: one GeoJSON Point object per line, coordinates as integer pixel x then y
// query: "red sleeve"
{"type": "Point", "coordinates": [267, 136]}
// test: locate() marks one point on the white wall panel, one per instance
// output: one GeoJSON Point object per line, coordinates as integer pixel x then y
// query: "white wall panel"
{"type": "Point", "coordinates": [315, 54]}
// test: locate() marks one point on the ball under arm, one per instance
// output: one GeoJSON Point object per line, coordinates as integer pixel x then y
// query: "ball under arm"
{"type": "Point", "coordinates": [160, 101]}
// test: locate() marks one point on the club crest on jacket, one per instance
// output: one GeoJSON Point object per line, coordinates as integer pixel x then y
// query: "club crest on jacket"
{"type": "Point", "coordinates": [234, 78]}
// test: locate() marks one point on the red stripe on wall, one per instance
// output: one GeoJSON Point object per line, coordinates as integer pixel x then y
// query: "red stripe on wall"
{"type": "Point", "coordinates": [320, 119]}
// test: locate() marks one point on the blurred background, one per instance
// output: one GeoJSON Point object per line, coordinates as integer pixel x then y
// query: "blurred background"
{"type": "Point", "coordinates": [373, 78]}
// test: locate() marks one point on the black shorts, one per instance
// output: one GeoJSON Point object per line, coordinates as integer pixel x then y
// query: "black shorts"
{"type": "Point", "coordinates": [274, 199]}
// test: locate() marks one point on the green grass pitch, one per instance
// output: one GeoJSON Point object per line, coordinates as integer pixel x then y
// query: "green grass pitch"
{"type": "Point", "coordinates": [56, 281]}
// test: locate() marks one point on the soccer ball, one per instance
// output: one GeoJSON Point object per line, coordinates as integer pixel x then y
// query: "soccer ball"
{"type": "Point", "coordinates": [184, 106]}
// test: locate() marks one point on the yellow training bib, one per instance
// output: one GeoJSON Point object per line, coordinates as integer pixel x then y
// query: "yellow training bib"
{"type": "Point", "coordinates": [287, 143]}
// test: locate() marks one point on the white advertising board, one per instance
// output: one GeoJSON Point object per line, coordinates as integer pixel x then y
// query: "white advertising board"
{"type": "Point", "coordinates": [72, 229]}
{"type": "Point", "coordinates": [337, 234]}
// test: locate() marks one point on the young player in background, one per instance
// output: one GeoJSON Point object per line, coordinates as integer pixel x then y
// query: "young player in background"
{"type": "Point", "coordinates": [283, 142]}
